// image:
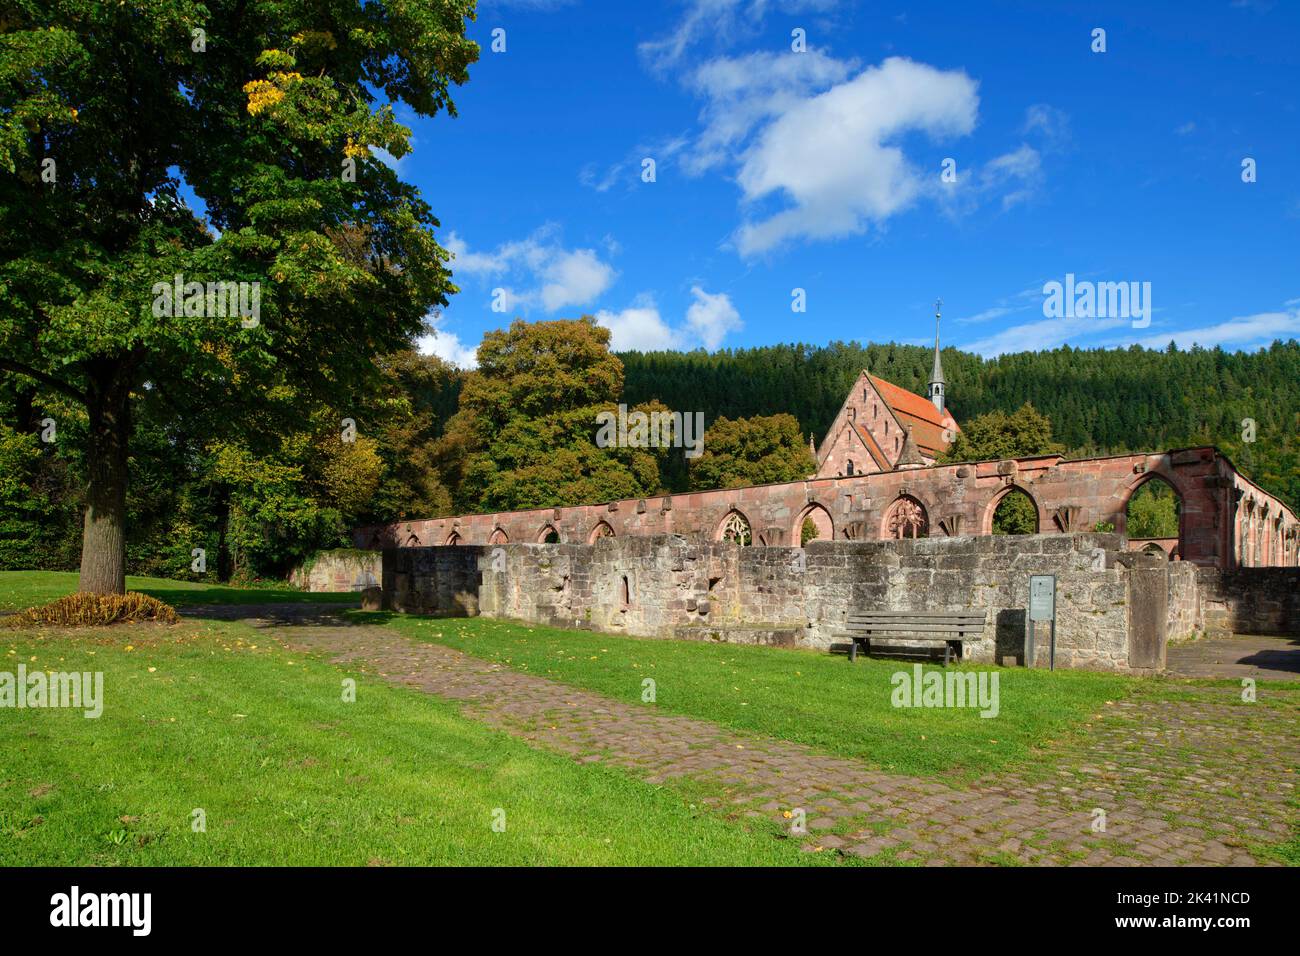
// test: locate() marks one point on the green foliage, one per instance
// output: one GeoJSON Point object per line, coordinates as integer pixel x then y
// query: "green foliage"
{"type": "Point", "coordinates": [1153, 511]}
{"type": "Point", "coordinates": [528, 421]}
{"type": "Point", "coordinates": [260, 125]}
{"type": "Point", "coordinates": [996, 435]}
{"type": "Point", "coordinates": [38, 513]}
{"type": "Point", "coordinates": [751, 451]}
{"type": "Point", "coordinates": [808, 531]}
{"type": "Point", "coordinates": [1099, 401]}
{"type": "Point", "coordinates": [1015, 514]}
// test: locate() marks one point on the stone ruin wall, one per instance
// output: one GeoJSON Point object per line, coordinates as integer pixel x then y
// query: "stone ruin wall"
{"type": "Point", "coordinates": [343, 569]}
{"type": "Point", "coordinates": [677, 588]}
{"type": "Point", "coordinates": [957, 500]}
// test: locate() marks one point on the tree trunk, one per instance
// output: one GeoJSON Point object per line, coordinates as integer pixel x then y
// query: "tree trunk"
{"type": "Point", "coordinates": [223, 529]}
{"type": "Point", "coordinates": [103, 545]}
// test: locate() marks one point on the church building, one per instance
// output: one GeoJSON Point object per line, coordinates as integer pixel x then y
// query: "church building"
{"type": "Point", "coordinates": [882, 427]}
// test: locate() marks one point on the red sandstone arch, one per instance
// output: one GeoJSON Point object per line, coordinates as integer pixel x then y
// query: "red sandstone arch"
{"type": "Point", "coordinates": [412, 541]}
{"type": "Point", "coordinates": [1121, 519]}
{"type": "Point", "coordinates": [820, 516]}
{"type": "Point", "coordinates": [986, 521]}
{"type": "Point", "coordinates": [602, 530]}
{"type": "Point", "coordinates": [547, 531]}
{"type": "Point", "coordinates": [735, 526]}
{"type": "Point", "coordinates": [906, 517]}
{"type": "Point", "coordinates": [499, 537]}
{"type": "Point", "coordinates": [453, 538]}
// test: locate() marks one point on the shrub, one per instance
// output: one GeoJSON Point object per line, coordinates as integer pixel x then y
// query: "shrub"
{"type": "Point", "coordinates": [93, 610]}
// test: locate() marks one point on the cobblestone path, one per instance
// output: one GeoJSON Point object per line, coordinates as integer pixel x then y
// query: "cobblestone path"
{"type": "Point", "coordinates": [1188, 777]}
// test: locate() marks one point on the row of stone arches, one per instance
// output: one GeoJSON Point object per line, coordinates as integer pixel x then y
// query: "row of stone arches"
{"type": "Point", "coordinates": [1152, 510]}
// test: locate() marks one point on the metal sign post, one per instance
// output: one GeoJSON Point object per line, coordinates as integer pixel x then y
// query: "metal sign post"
{"type": "Point", "coordinates": [1042, 607]}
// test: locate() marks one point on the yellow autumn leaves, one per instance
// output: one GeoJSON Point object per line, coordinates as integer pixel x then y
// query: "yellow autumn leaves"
{"type": "Point", "coordinates": [264, 94]}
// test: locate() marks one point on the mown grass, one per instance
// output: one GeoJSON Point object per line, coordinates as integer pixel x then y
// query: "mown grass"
{"type": "Point", "coordinates": [803, 696]}
{"type": "Point", "coordinates": [215, 716]}
{"type": "Point", "coordinates": [23, 589]}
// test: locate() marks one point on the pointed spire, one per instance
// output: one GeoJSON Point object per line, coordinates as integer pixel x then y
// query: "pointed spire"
{"type": "Point", "coordinates": [812, 446]}
{"type": "Point", "coordinates": [937, 384]}
{"type": "Point", "coordinates": [910, 456]}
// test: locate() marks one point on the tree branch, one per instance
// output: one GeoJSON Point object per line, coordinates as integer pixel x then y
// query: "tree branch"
{"type": "Point", "coordinates": [44, 379]}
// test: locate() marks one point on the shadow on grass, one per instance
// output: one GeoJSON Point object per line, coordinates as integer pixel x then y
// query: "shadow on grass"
{"type": "Point", "coordinates": [220, 594]}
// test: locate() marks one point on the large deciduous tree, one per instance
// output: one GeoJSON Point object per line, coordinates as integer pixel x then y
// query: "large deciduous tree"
{"type": "Point", "coordinates": [113, 115]}
{"type": "Point", "coordinates": [752, 451]}
{"type": "Point", "coordinates": [997, 435]}
{"type": "Point", "coordinates": [526, 435]}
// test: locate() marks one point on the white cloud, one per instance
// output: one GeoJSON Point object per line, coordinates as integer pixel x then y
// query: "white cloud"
{"type": "Point", "coordinates": [832, 156]}
{"type": "Point", "coordinates": [641, 327]}
{"type": "Point", "coordinates": [630, 168]}
{"type": "Point", "coordinates": [1247, 331]}
{"type": "Point", "coordinates": [1022, 301]}
{"type": "Point", "coordinates": [540, 270]}
{"type": "Point", "coordinates": [1013, 177]}
{"type": "Point", "coordinates": [741, 92]}
{"type": "Point", "coordinates": [722, 21]}
{"type": "Point", "coordinates": [1047, 122]}
{"type": "Point", "coordinates": [1043, 334]}
{"type": "Point", "coordinates": [1256, 330]}
{"type": "Point", "coordinates": [574, 278]}
{"type": "Point", "coordinates": [637, 329]}
{"type": "Point", "coordinates": [446, 345]}
{"type": "Point", "coordinates": [711, 317]}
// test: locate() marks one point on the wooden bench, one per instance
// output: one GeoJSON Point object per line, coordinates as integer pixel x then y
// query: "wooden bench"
{"type": "Point", "coordinates": [948, 628]}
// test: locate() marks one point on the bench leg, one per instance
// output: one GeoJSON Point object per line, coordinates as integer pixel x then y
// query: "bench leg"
{"type": "Point", "coordinates": [947, 653]}
{"type": "Point", "coordinates": [853, 650]}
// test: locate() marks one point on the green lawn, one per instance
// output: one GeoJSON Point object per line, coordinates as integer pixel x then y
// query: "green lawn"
{"type": "Point", "coordinates": [214, 716]}
{"type": "Point", "coordinates": [804, 696]}
{"type": "Point", "coordinates": [22, 589]}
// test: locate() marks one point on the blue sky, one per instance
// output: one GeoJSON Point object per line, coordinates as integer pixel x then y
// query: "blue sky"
{"type": "Point", "coordinates": [822, 170]}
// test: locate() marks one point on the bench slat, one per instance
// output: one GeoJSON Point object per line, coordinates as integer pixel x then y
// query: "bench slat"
{"type": "Point", "coordinates": [913, 614]}
{"type": "Point", "coordinates": [913, 628]}
{"type": "Point", "coordinates": [895, 625]}
{"type": "Point", "coordinates": [970, 634]}
{"type": "Point", "coordinates": [916, 617]}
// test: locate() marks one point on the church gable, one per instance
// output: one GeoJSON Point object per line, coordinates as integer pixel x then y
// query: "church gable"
{"type": "Point", "coordinates": [869, 433]}
{"type": "Point", "coordinates": [861, 440]}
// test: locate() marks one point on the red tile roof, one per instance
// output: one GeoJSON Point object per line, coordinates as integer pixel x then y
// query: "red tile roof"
{"type": "Point", "coordinates": [919, 414]}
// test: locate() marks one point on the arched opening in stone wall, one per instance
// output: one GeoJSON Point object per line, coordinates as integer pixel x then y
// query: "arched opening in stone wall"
{"type": "Point", "coordinates": [906, 518]}
{"type": "Point", "coordinates": [412, 541]}
{"type": "Point", "coordinates": [813, 524]}
{"type": "Point", "coordinates": [735, 527]}
{"type": "Point", "coordinates": [1153, 510]}
{"type": "Point", "coordinates": [626, 593]}
{"type": "Point", "coordinates": [1014, 511]}
{"type": "Point", "coordinates": [602, 530]}
{"type": "Point", "coordinates": [499, 537]}
{"type": "Point", "coordinates": [548, 535]}
{"type": "Point", "coordinates": [453, 538]}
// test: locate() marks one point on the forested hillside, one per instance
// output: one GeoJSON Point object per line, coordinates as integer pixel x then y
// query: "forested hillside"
{"type": "Point", "coordinates": [520, 431]}
{"type": "Point", "coordinates": [1099, 401]}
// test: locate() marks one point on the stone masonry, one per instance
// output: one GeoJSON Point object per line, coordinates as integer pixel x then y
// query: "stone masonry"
{"type": "Point", "coordinates": [1226, 521]}
{"type": "Point", "coordinates": [671, 586]}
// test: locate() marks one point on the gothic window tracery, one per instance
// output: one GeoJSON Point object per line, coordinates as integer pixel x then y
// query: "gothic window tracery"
{"type": "Point", "coordinates": [907, 519]}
